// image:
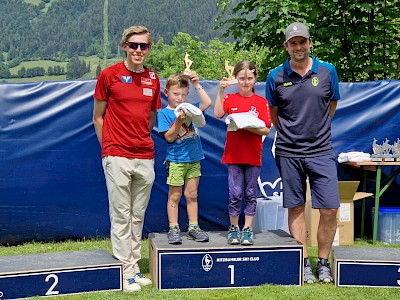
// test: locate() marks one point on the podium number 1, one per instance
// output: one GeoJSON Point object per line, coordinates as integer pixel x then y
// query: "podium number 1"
{"type": "Point", "coordinates": [51, 289]}
{"type": "Point", "coordinates": [232, 267]}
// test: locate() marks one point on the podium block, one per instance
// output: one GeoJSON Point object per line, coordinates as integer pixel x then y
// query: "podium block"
{"type": "Point", "coordinates": [59, 273]}
{"type": "Point", "coordinates": [366, 267]}
{"type": "Point", "coordinates": [275, 258]}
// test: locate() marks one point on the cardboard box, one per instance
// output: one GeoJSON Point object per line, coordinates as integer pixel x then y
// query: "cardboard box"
{"type": "Point", "coordinates": [345, 216]}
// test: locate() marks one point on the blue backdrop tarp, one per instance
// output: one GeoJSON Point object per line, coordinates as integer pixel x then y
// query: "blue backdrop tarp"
{"type": "Point", "coordinates": [52, 185]}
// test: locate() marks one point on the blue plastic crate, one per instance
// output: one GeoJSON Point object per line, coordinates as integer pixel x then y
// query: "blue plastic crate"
{"type": "Point", "coordinates": [388, 225]}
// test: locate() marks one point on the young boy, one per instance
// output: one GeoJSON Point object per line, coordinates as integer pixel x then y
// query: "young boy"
{"type": "Point", "coordinates": [184, 152]}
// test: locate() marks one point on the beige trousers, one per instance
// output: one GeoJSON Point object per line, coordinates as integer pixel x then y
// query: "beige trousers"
{"type": "Point", "coordinates": [129, 183]}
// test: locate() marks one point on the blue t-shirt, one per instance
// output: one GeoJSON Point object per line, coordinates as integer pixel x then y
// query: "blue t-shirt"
{"type": "Point", "coordinates": [304, 124]}
{"type": "Point", "coordinates": [187, 146]}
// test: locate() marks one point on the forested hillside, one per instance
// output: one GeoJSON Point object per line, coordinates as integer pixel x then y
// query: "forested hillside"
{"type": "Point", "coordinates": [61, 29]}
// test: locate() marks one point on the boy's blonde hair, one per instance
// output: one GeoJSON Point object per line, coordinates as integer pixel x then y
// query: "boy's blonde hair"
{"type": "Point", "coordinates": [177, 79]}
{"type": "Point", "coordinates": [134, 30]}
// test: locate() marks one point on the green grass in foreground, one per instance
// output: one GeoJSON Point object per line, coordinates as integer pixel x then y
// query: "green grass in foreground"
{"type": "Point", "coordinates": [316, 291]}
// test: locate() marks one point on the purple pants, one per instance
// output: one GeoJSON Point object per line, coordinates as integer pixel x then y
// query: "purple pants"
{"type": "Point", "coordinates": [242, 178]}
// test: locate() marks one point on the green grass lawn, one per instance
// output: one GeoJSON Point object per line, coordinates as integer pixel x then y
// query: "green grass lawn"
{"type": "Point", "coordinates": [316, 291]}
{"type": "Point", "coordinates": [45, 64]}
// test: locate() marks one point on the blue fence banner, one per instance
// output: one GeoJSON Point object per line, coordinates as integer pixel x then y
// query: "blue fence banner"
{"type": "Point", "coordinates": [52, 185]}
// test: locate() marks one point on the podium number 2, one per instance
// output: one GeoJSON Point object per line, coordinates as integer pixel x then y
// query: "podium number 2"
{"type": "Point", "coordinates": [51, 289]}
{"type": "Point", "coordinates": [232, 267]}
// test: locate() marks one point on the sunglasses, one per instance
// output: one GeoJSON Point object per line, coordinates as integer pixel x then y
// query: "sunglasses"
{"type": "Point", "coordinates": [134, 46]}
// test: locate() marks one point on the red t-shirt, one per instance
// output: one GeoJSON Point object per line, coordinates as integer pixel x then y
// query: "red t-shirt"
{"type": "Point", "coordinates": [130, 99]}
{"type": "Point", "coordinates": [243, 146]}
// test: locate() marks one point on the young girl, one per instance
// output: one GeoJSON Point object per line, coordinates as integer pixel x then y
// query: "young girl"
{"type": "Point", "coordinates": [243, 147]}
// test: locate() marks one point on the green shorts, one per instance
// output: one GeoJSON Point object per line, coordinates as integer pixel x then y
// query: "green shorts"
{"type": "Point", "coordinates": [178, 172]}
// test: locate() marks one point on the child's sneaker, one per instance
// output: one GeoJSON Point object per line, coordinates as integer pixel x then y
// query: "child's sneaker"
{"type": "Point", "coordinates": [247, 237]}
{"type": "Point", "coordinates": [195, 233]}
{"type": "Point", "coordinates": [234, 235]}
{"type": "Point", "coordinates": [174, 235]}
{"type": "Point", "coordinates": [324, 271]}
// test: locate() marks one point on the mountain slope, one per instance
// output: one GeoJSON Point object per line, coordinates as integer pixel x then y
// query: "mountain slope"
{"type": "Point", "coordinates": [75, 27]}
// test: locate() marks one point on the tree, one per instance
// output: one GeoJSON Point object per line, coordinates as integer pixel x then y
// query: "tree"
{"type": "Point", "coordinates": [36, 71]}
{"type": "Point", "coordinates": [4, 71]}
{"type": "Point", "coordinates": [98, 70]}
{"type": "Point", "coordinates": [58, 70]}
{"type": "Point", "coordinates": [361, 38]}
{"type": "Point", "coordinates": [208, 59]}
{"type": "Point", "coordinates": [41, 5]}
{"type": "Point", "coordinates": [22, 72]}
{"type": "Point", "coordinates": [12, 54]}
{"type": "Point", "coordinates": [75, 68]}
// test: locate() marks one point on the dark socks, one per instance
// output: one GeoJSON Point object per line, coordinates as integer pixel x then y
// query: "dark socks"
{"type": "Point", "coordinates": [323, 261]}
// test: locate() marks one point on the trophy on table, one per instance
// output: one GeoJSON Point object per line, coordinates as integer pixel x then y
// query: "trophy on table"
{"type": "Point", "coordinates": [377, 151]}
{"type": "Point", "coordinates": [387, 148]}
{"type": "Point", "coordinates": [188, 64]}
{"type": "Point", "coordinates": [382, 152]}
{"type": "Point", "coordinates": [229, 70]}
{"type": "Point", "coordinates": [396, 150]}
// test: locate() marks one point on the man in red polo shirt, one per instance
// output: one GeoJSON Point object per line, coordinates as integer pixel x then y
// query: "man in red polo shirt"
{"type": "Point", "coordinates": [126, 100]}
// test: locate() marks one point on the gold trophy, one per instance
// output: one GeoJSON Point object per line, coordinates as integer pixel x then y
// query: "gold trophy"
{"type": "Point", "coordinates": [229, 70]}
{"type": "Point", "coordinates": [188, 64]}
